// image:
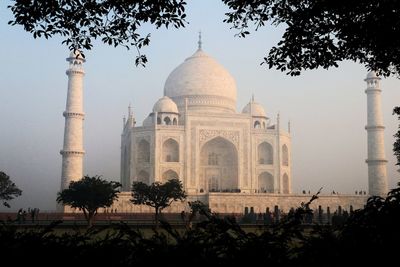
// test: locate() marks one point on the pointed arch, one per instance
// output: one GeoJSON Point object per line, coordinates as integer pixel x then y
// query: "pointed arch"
{"type": "Point", "coordinates": [168, 175]}
{"type": "Point", "coordinates": [143, 177]}
{"type": "Point", "coordinates": [143, 151]}
{"type": "Point", "coordinates": [285, 156]}
{"type": "Point", "coordinates": [257, 125]}
{"type": "Point", "coordinates": [167, 121]}
{"type": "Point", "coordinates": [266, 182]}
{"type": "Point", "coordinates": [175, 122]}
{"type": "Point", "coordinates": [219, 165]}
{"type": "Point", "coordinates": [170, 151]}
{"type": "Point", "coordinates": [265, 153]}
{"type": "Point", "coordinates": [285, 184]}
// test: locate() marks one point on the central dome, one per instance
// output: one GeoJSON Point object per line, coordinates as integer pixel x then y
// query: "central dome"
{"type": "Point", "coordinates": [206, 84]}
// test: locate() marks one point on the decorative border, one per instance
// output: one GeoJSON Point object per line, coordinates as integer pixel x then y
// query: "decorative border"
{"type": "Point", "coordinates": [207, 134]}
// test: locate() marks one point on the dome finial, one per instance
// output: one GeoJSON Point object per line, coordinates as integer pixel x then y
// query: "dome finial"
{"type": "Point", "coordinates": [199, 42]}
{"type": "Point", "coordinates": [252, 97]}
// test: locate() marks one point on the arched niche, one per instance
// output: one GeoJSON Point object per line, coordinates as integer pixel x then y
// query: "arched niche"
{"type": "Point", "coordinates": [143, 151]}
{"type": "Point", "coordinates": [285, 156]}
{"type": "Point", "coordinates": [266, 182]}
{"type": "Point", "coordinates": [285, 184]}
{"type": "Point", "coordinates": [170, 151]}
{"type": "Point", "coordinates": [265, 153]}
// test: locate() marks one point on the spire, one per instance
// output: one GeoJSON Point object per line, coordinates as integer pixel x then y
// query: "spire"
{"type": "Point", "coordinates": [252, 97]}
{"type": "Point", "coordinates": [129, 110]}
{"type": "Point", "coordinates": [278, 121]}
{"type": "Point", "coordinates": [199, 42]}
{"type": "Point", "coordinates": [289, 126]}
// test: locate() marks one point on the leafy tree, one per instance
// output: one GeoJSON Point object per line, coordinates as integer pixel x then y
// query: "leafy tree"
{"type": "Point", "coordinates": [320, 33]}
{"type": "Point", "coordinates": [157, 195]}
{"type": "Point", "coordinates": [8, 190]}
{"type": "Point", "coordinates": [89, 194]}
{"type": "Point", "coordinates": [80, 22]}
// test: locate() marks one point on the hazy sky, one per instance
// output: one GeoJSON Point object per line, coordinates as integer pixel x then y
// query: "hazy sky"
{"type": "Point", "coordinates": [327, 108]}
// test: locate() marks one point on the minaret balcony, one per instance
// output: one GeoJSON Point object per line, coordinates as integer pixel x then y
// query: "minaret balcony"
{"type": "Point", "coordinates": [376, 161]}
{"type": "Point", "coordinates": [374, 127]}
{"type": "Point", "coordinates": [78, 115]}
{"type": "Point", "coordinates": [72, 152]}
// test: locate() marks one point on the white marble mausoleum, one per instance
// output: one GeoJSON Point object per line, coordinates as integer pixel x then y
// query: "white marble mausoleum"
{"type": "Point", "coordinates": [227, 158]}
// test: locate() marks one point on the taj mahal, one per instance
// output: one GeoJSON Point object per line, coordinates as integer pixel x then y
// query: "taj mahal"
{"type": "Point", "coordinates": [229, 159]}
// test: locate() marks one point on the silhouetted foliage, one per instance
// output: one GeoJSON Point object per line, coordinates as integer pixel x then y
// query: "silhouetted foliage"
{"type": "Point", "coordinates": [317, 33]}
{"type": "Point", "coordinates": [322, 33]}
{"type": "Point", "coordinates": [369, 236]}
{"type": "Point", "coordinates": [89, 194]}
{"type": "Point", "coordinates": [396, 145]}
{"type": "Point", "coordinates": [157, 195]}
{"type": "Point", "coordinates": [80, 22]}
{"type": "Point", "coordinates": [8, 189]}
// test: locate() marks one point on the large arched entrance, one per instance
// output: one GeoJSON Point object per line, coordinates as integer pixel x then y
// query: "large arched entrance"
{"type": "Point", "coordinates": [218, 166]}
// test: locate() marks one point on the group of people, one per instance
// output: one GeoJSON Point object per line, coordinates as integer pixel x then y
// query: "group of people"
{"type": "Point", "coordinates": [22, 214]}
{"type": "Point", "coordinates": [361, 192]}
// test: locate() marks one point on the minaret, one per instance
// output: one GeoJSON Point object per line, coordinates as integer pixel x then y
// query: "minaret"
{"type": "Point", "coordinates": [72, 152]}
{"type": "Point", "coordinates": [377, 180]}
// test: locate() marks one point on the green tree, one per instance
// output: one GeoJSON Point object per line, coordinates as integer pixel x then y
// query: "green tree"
{"type": "Point", "coordinates": [157, 195]}
{"type": "Point", "coordinates": [89, 194]}
{"type": "Point", "coordinates": [8, 190]}
{"type": "Point", "coordinates": [320, 33]}
{"type": "Point", "coordinates": [79, 22]}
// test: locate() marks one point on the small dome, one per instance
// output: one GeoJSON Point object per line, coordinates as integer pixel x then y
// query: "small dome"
{"type": "Point", "coordinates": [148, 121]}
{"type": "Point", "coordinates": [255, 108]}
{"type": "Point", "coordinates": [165, 104]}
{"type": "Point", "coordinates": [76, 55]}
{"type": "Point", "coordinates": [371, 75]}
